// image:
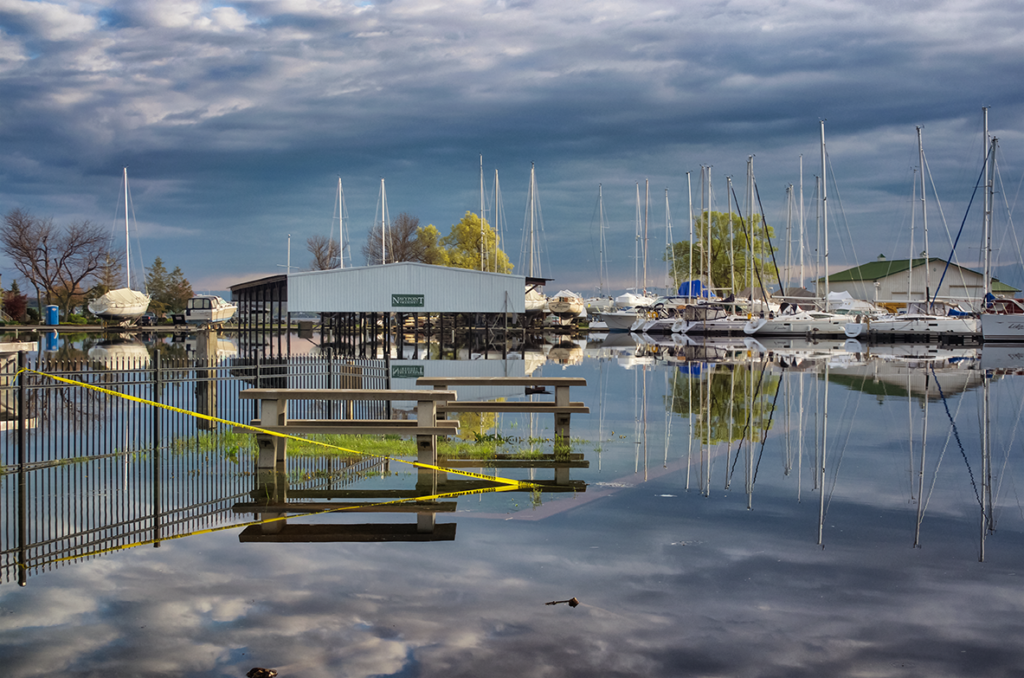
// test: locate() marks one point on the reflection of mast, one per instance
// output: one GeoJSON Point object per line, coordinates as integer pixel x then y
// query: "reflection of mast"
{"type": "Point", "coordinates": [920, 474]}
{"type": "Point", "coordinates": [821, 476]}
{"type": "Point", "coordinates": [986, 472]}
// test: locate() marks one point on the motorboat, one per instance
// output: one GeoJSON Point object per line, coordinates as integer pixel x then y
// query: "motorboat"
{"type": "Point", "coordinates": [208, 309]}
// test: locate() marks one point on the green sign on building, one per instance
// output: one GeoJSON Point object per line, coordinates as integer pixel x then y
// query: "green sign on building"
{"type": "Point", "coordinates": [407, 300]}
{"type": "Point", "coordinates": [406, 371]}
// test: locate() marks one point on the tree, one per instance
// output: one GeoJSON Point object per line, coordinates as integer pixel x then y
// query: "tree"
{"type": "Point", "coordinates": [402, 243]}
{"type": "Point", "coordinates": [720, 246]}
{"type": "Point", "coordinates": [15, 304]}
{"type": "Point", "coordinates": [55, 261]}
{"type": "Point", "coordinates": [156, 285]}
{"type": "Point", "coordinates": [324, 251]}
{"type": "Point", "coordinates": [462, 245]}
{"type": "Point", "coordinates": [179, 291]}
{"type": "Point", "coordinates": [169, 292]}
{"type": "Point", "coordinates": [740, 405]}
{"type": "Point", "coordinates": [433, 251]}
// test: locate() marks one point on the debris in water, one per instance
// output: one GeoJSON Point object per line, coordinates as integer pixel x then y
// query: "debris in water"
{"type": "Point", "coordinates": [257, 672]}
{"type": "Point", "coordinates": [573, 602]}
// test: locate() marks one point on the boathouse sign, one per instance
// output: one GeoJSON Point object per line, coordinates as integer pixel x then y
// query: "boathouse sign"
{"type": "Point", "coordinates": [407, 300]}
{"type": "Point", "coordinates": [406, 371]}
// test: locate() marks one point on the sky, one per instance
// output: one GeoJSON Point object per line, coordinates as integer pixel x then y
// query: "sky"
{"type": "Point", "coordinates": [236, 120]}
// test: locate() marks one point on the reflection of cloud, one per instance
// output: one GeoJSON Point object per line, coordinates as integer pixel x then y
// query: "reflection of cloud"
{"type": "Point", "coordinates": [671, 582]}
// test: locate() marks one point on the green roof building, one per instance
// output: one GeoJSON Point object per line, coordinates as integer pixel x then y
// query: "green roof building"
{"type": "Point", "coordinates": [900, 280]}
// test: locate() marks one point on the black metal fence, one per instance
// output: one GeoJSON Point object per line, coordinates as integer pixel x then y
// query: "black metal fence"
{"type": "Point", "coordinates": [86, 471]}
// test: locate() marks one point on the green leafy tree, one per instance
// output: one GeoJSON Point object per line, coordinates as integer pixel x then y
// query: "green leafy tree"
{"type": "Point", "coordinates": [463, 246]}
{"type": "Point", "coordinates": [720, 245]}
{"type": "Point", "coordinates": [729, 413]}
{"type": "Point", "coordinates": [431, 246]}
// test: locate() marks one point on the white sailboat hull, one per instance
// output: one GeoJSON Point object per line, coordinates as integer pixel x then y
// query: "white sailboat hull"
{"type": "Point", "coordinates": [121, 304]}
{"type": "Point", "coordinates": [1000, 327]}
{"type": "Point", "coordinates": [798, 323]}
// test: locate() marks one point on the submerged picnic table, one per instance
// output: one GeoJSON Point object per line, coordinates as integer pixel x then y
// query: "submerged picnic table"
{"type": "Point", "coordinates": [561, 407]}
{"type": "Point", "coordinates": [274, 418]}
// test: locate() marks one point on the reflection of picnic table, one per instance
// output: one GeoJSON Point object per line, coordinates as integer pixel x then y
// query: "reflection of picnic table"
{"type": "Point", "coordinates": [274, 417]}
{"type": "Point", "coordinates": [561, 407]}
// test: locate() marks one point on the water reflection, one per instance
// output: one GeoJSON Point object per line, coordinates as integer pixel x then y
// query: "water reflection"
{"type": "Point", "coordinates": [713, 474]}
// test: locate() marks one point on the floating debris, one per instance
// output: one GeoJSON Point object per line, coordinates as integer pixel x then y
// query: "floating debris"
{"type": "Point", "coordinates": [257, 672]}
{"type": "Point", "coordinates": [573, 602]}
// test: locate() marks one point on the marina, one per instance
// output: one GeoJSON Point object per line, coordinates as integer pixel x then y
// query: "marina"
{"type": "Point", "coordinates": [863, 482]}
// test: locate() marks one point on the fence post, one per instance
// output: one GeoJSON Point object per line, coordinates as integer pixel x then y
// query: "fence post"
{"type": "Point", "coordinates": [22, 404]}
{"type": "Point", "coordinates": [22, 480]}
{"type": "Point", "coordinates": [156, 449]}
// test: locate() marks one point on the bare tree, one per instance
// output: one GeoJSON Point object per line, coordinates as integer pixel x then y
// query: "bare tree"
{"type": "Point", "coordinates": [324, 250]}
{"type": "Point", "coordinates": [55, 261]}
{"type": "Point", "coordinates": [403, 242]}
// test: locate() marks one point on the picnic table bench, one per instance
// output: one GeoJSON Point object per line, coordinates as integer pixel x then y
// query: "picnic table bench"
{"type": "Point", "coordinates": [561, 407]}
{"type": "Point", "coordinates": [274, 418]}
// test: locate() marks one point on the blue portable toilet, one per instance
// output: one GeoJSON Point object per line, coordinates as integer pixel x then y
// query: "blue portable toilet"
{"type": "Point", "coordinates": [52, 315]}
{"type": "Point", "coordinates": [52, 343]}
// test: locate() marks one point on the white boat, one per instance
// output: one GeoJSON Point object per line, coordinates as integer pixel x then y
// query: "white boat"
{"type": "Point", "coordinates": [913, 324]}
{"type": "Point", "coordinates": [567, 304]}
{"type": "Point", "coordinates": [208, 309]}
{"type": "Point", "coordinates": [120, 354]}
{"type": "Point", "coordinates": [121, 305]}
{"type": "Point", "coordinates": [124, 304]}
{"type": "Point", "coordinates": [799, 323]}
{"type": "Point", "coordinates": [1003, 321]}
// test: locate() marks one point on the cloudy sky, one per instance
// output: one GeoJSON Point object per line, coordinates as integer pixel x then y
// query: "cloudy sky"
{"type": "Point", "coordinates": [236, 119]}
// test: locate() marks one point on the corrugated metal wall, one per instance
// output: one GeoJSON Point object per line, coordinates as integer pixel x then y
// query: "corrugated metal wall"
{"type": "Point", "coordinates": [959, 284]}
{"type": "Point", "coordinates": [405, 288]}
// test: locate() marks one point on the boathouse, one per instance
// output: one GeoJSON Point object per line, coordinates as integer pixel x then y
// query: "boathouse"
{"type": "Point", "coordinates": [405, 287]}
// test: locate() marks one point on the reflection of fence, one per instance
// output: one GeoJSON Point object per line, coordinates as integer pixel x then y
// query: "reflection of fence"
{"type": "Point", "coordinates": [70, 422]}
{"type": "Point", "coordinates": [95, 472]}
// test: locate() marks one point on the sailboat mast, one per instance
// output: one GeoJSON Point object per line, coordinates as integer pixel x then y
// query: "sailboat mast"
{"type": "Point", "coordinates": [924, 228]}
{"type": "Point", "coordinates": [689, 273]}
{"type": "Point", "coordinates": [670, 263]}
{"type": "Point", "coordinates": [647, 209]}
{"type": "Point", "coordinates": [603, 272]}
{"type": "Point", "coordinates": [127, 248]}
{"type": "Point", "coordinates": [987, 216]}
{"type": "Point", "coordinates": [910, 261]}
{"type": "Point", "coordinates": [732, 239]}
{"type": "Point", "coordinates": [341, 226]}
{"type": "Point", "coordinates": [710, 282]}
{"type": "Point", "coordinates": [533, 188]}
{"type": "Point", "coordinates": [483, 249]}
{"type": "Point", "coordinates": [636, 243]}
{"type": "Point", "coordinates": [801, 221]}
{"type": "Point", "coordinates": [383, 223]}
{"type": "Point", "coordinates": [824, 210]}
{"type": "Point", "coordinates": [750, 223]}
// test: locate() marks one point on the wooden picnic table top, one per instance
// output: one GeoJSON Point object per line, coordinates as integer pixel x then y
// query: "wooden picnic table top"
{"type": "Point", "coordinates": [501, 381]}
{"type": "Point", "coordinates": [344, 394]}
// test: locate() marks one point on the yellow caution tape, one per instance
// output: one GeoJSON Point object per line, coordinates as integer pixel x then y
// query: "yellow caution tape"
{"type": "Point", "coordinates": [234, 526]}
{"type": "Point", "coordinates": [256, 429]}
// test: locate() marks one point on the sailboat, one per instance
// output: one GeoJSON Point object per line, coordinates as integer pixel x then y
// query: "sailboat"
{"type": "Point", "coordinates": [124, 304]}
{"type": "Point", "coordinates": [919, 319]}
{"type": "Point", "coordinates": [536, 302]}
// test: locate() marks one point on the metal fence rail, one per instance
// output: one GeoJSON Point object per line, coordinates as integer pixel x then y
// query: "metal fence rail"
{"type": "Point", "coordinates": [91, 472]}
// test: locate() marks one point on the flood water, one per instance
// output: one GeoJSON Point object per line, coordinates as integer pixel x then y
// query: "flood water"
{"type": "Point", "coordinates": [703, 539]}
